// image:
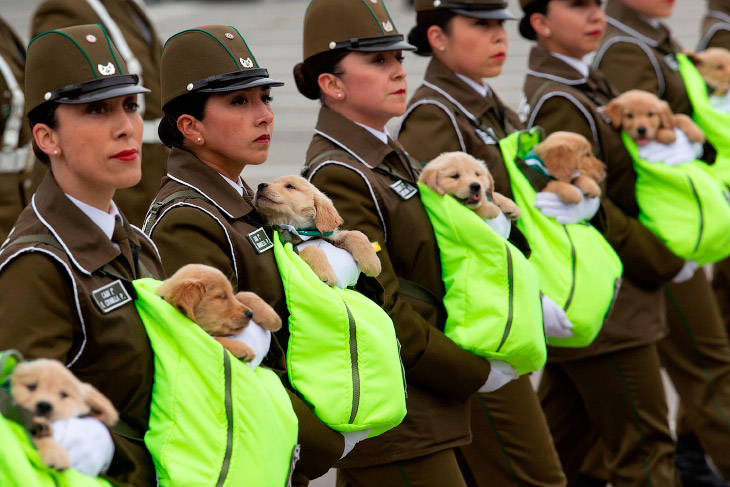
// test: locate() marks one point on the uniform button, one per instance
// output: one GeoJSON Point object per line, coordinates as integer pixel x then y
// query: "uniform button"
{"type": "Point", "coordinates": [333, 44]}
{"type": "Point", "coordinates": [190, 87]}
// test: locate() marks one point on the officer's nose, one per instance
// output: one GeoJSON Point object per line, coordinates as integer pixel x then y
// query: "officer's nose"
{"type": "Point", "coordinates": [641, 130]}
{"type": "Point", "coordinates": [262, 186]}
{"type": "Point", "coordinates": [43, 407]}
{"type": "Point", "coordinates": [475, 187]}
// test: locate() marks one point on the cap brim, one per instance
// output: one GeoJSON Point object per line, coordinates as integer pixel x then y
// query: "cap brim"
{"type": "Point", "coordinates": [386, 46]}
{"type": "Point", "coordinates": [243, 85]}
{"type": "Point", "coordinates": [97, 95]}
{"type": "Point", "coordinates": [494, 13]}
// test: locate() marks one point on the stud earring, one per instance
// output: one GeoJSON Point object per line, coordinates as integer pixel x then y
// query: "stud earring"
{"type": "Point", "coordinates": [55, 152]}
{"type": "Point", "coordinates": [547, 31]}
{"type": "Point", "coordinates": [199, 139]}
{"type": "Point", "coordinates": [339, 95]}
{"type": "Point", "coordinates": [442, 48]}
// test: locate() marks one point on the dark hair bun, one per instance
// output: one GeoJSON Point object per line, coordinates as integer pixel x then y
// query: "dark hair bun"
{"type": "Point", "coordinates": [416, 37]}
{"type": "Point", "coordinates": [168, 132]}
{"type": "Point", "coordinates": [526, 29]}
{"type": "Point", "coordinates": [306, 83]}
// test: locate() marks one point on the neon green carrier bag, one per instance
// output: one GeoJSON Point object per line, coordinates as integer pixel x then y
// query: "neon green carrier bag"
{"type": "Point", "coordinates": [343, 356]}
{"type": "Point", "coordinates": [578, 269]}
{"type": "Point", "coordinates": [715, 124]}
{"type": "Point", "coordinates": [213, 421]}
{"type": "Point", "coordinates": [685, 205]}
{"type": "Point", "coordinates": [492, 295]}
{"type": "Point", "coordinates": [20, 464]}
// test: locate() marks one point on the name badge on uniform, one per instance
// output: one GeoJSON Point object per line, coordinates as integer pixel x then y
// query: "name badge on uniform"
{"type": "Point", "coordinates": [487, 138]}
{"type": "Point", "coordinates": [260, 241]}
{"type": "Point", "coordinates": [403, 189]}
{"type": "Point", "coordinates": [671, 62]}
{"type": "Point", "coordinates": [111, 296]}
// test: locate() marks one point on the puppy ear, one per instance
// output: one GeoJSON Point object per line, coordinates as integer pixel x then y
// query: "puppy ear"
{"type": "Point", "coordinates": [490, 189]}
{"type": "Point", "coordinates": [696, 60]}
{"type": "Point", "coordinates": [101, 407]}
{"type": "Point", "coordinates": [560, 161]}
{"type": "Point", "coordinates": [186, 296]}
{"type": "Point", "coordinates": [327, 219]}
{"type": "Point", "coordinates": [430, 177]}
{"type": "Point", "coordinates": [613, 111]}
{"type": "Point", "coordinates": [666, 116]}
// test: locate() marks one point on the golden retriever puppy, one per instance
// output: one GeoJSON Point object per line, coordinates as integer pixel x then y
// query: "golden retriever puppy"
{"type": "Point", "coordinates": [292, 200]}
{"type": "Point", "coordinates": [469, 181]}
{"type": "Point", "coordinates": [645, 117]}
{"type": "Point", "coordinates": [204, 295]}
{"type": "Point", "coordinates": [51, 392]}
{"type": "Point", "coordinates": [714, 66]}
{"type": "Point", "coordinates": [569, 158]}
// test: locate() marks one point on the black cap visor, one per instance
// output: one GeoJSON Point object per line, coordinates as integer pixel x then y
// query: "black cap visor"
{"type": "Point", "coordinates": [485, 13]}
{"type": "Point", "coordinates": [393, 42]}
{"type": "Point", "coordinates": [237, 80]}
{"type": "Point", "coordinates": [98, 89]}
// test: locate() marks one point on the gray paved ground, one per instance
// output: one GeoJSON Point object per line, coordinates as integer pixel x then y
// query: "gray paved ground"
{"type": "Point", "coordinates": [273, 30]}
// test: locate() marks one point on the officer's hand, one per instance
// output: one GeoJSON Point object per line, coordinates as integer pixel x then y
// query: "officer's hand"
{"type": "Point", "coordinates": [678, 152]}
{"type": "Point", "coordinates": [501, 374]}
{"type": "Point", "coordinates": [501, 225]}
{"type": "Point", "coordinates": [88, 443]}
{"type": "Point", "coordinates": [345, 267]}
{"type": "Point", "coordinates": [352, 438]}
{"type": "Point", "coordinates": [565, 213]}
{"type": "Point", "coordinates": [258, 339]}
{"type": "Point", "coordinates": [555, 320]}
{"type": "Point", "coordinates": [687, 272]}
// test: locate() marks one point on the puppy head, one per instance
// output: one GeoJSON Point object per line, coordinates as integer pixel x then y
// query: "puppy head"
{"type": "Point", "coordinates": [641, 114]}
{"type": "Point", "coordinates": [46, 388]}
{"type": "Point", "coordinates": [460, 175]}
{"type": "Point", "coordinates": [292, 200]}
{"type": "Point", "coordinates": [714, 66]}
{"type": "Point", "coordinates": [566, 153]}
{"type": "Point", "coordinates": [205, 296]}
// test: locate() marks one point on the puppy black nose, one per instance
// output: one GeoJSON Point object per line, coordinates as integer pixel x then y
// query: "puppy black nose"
{"type": "Point", "coordinates": [475, 187]}
{"type": "Point", "coordinates": [249, 314]}
{"type": "Point", "coordinates": [641, 130]}
{"type": "Point", "coordinates": [262, 186]}
{"type": "Point", "coordinates": [43, 407]}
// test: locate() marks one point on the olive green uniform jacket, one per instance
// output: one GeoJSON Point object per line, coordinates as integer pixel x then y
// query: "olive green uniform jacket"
{"type": "Point", "coordinates": [141, 36]}
{"type": "Point", "coordinates": [16, 186]}
{"type": "Point", "coordinates": [715, 26]}
{"type": "Point", "coordinates": [508, 425]}
{"type": "Point", "coordinates": [214, 231]}
{"type": "Point", "coordinates": [48, 311]}
{"type": "Point", "coordinates": [359, 183]}
{"type": "Point", "coordinates": [561, 98]}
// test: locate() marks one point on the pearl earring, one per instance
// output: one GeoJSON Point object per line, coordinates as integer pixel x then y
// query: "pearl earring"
{"type": "Point", "coordinates": [55, 152]}
{"type": "Point", "coordinates": [442, 48]}
{"type": "Point", "coordinates": [199, 139]}
{"type": "Point", "coordinates": [547, 31]}
{"type": "Point", "coordinates": [339, 95]}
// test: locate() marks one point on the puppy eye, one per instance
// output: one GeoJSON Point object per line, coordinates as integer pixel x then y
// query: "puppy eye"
{"type": "Point", "coordinates": [32, 387]}
{"type": "Point", "coordinates": [650, 114]}
{"type": "Point", "coordinates": [222, 296]}
{"type": "Point", "coordinates": [290, 186]}
{"type": "Point", "coordinates": [455, 176]}
{"type": "Point", "coordinates": [629, 116]}
{"type": "Point", "coordinates": [63, 395]}
{"type": "Point", "coordinates": [718, 67]}
{"type": "Point", "coordinates": [477, 174]}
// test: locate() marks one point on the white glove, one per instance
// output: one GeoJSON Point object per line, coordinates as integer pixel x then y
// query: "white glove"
{"type": "Point", "coordinates": [501, 225]}
{"type": "Point", "coordinates": [345, 267]}
{"type": "Point", "coordinates": [565, 213]}
{"type": "Point", "coordinates": [555, 320]}
{"type": "Point", "coordinates": [687, 272]}
{"type": "Point", "coordinates": [721, 103]}
{"type": "Point", "coordinates": [88, 443]}
{"type": "Point", "coordinates": [678, 152]}
{"type": "Point", "coordinates": [258, 339]}
{"type": "Point", "coordinates": [352, 438]}
{"type": "Point", "coordinates": [501, 374]}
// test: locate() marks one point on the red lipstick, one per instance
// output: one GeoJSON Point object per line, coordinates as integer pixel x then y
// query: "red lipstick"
{"type": "Point", "coordinates": [264, 139]}
{"type": "Point", "coordinates": [126, 155]}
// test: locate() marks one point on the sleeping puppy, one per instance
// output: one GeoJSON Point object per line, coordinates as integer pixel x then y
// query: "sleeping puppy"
{"type": "Point", "coordinates": [714, 66]}
{"type": "Point", "coordinates": [645, 117]}
{"type": "Point", "coordinates": [569, 159]}
{"type": "Point", "coordinates": [294, 201]}
{"type": "Point", "coordinates": [469, 181]}
{"type": "Point", "coordinates": [204, 295]}
{"type": "Point", "coordinates": [51, 392]}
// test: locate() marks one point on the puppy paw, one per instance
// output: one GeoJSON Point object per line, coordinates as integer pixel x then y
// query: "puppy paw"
{"type": "Point", "coordinates": [487, 210]}
{"type": "Point", "coordinates": [263, 314]}
{"type": "Point", "coordinates": [317, 260]}
{"type": "Point", "coordinates": [691, 129]}
{"type": "Point", "coordinates": [52, 454]}
{"type": "Point", "coordinates": [588, 186]}
{"type": "Point", "coordinates": [239, 349]}
{"type": "Point", "coordinates": [508, 207]}
{"type": "Point", "coordinates": [666, 136]}
{"type": "Point", "coordinates": [566, 192]}
{"type": "Point", "coordinates": [362, 251]}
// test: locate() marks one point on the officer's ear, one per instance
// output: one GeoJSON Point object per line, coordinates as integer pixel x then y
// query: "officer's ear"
{"type": "Point", "coordinates": [539, 23]}
{"type": "Point", "coordinates": [436, 38]}
{"type": "Point", "coordinates": [331, 86]}
{"type": "Point", "coordinates": [46, 139]}
{"type": "Point", "coordinates": [189, 127]}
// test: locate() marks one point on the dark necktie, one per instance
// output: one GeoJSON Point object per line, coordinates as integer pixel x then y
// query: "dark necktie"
{"type": "Point", "coordinates": [121, 238]}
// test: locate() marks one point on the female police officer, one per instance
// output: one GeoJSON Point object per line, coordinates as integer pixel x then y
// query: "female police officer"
{"type": "Point", "coordinates": [218, 119]}
{"type": "Point", "coordinates": [72, 241]}
{"type": "Point", "coordinates": [352, 64]}
{"type": "Point", "coordinates": [467, 42]}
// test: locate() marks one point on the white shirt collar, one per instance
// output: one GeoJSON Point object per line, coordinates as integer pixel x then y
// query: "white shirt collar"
{"type": "Point", "coordinates": [104, 220]}
{"type": "Point", "coordinates": [656, 23]}
{"type": "Point", "coordinates": [383, 136]}
{"type": "Point", "coordinates": [481, 88]}
{"type": "Point", "coordinates": [237, 185]}
{"type": "Point", "coordinates": [577, 64]}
